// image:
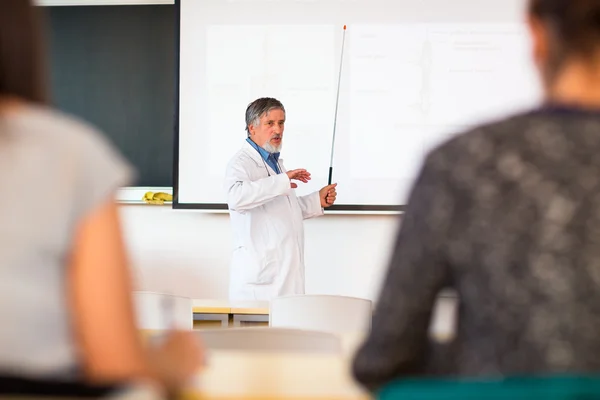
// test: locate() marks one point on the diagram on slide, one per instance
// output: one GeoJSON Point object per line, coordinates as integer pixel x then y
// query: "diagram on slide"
{"type": "Point", "coordinates": [420, 84]}
{"type": "Point", "coordinates": [423, 104]}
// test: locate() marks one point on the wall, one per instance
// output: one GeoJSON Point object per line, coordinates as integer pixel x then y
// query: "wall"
{"type": "Point", "coordinates": [187, 252]}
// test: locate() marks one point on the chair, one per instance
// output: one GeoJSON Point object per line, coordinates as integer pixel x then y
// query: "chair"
{"type": "Point", "coordinates": [546, 387]}
{"type": "Point", "coordinates": [265, 339]}
{"type": "Point", "coordinates": [442, 327]}
{"type": "Point", "coordinates": [327, 313]}
{"type": "Point", "coordinates": [161, 311]}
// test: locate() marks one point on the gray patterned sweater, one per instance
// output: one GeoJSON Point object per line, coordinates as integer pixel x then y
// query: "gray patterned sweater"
{"type": "Point", "coordinates": [508, 215]}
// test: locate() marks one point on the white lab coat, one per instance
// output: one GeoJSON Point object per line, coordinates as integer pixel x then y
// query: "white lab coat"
{"type": "Point", "coordinates": [268, 233]}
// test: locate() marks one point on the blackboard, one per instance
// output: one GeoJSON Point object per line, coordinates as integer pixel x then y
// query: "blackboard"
{"type": "Point", "coordinates": [114, 66]}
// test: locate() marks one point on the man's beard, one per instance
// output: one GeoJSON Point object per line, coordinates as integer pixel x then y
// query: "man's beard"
{"type": "Point", "coordinates": [270, 148]}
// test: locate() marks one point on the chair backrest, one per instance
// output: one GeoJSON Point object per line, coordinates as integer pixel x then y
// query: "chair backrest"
{"type": "Point", "coordinates": [336, 314]}
{"type": "Point", "coordinates": [442, 327]}
{"type": "Point", "coordinates": [523, 387]}
{"type": "Point", "coordinates": [161, 311]}
{"type": "Point", "coordinates": [265, 339]}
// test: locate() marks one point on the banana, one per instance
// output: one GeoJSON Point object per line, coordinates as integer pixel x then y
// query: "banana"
{"type": "Point", "coordinates": [157, 198]}
{"type": "Point", "coordinates": [163, 196]}
{"type": "Point", "coordinates": [159, 202]}
{"type": "Point", "coordinates": [147, 196]}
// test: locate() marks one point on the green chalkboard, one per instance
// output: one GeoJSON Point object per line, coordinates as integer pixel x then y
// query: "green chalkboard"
{"type": "Point", "coordinates": [114, 66]}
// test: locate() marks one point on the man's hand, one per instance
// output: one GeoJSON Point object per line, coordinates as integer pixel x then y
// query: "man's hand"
{"type": "Point", "coordinates": [298, 174]}
{"type": "Point", "coordinates": [327, 195]}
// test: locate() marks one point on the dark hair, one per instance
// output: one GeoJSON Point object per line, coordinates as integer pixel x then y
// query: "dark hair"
{"type": "Point", "coordinates": [259, 107]}
{"type": "Point", "coordinates": [574, 26]}
{"type": "Point", "coordinates": [21, 51]}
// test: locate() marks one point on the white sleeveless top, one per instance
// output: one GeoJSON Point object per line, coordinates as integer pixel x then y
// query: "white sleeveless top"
{"type": "Point", "coordinates": [54, 170]}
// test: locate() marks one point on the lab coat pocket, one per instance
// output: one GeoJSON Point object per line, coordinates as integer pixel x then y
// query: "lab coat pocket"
{"type": "Point", "coordinates": [268, 269]}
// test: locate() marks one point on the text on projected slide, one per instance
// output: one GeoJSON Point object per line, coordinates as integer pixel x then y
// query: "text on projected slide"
{"type": "Point", "coordinates": [432, 81]}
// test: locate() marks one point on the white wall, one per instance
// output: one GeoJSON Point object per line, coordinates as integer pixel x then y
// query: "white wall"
{"type": "Point", "coordinates": [187, 252]}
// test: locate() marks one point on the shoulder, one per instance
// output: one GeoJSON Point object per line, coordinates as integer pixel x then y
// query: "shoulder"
{"type": "Point", "coordinates": [66, 143]}
{"type": "Point", "coordinates": [480, 144]}
{"type": "Point", "coordinates": [241, 158]}
{"type": "Point", "coordinates": [59, 132]}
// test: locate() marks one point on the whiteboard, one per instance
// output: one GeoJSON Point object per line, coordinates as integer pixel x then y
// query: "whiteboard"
{"type": "Point", "coordinates": [52, 3]}
{"type": "Point", "coordinates": [414, 74]}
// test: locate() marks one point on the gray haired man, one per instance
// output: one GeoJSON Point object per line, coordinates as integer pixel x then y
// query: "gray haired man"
{"type": "Point", "coordinates": [266, 215]}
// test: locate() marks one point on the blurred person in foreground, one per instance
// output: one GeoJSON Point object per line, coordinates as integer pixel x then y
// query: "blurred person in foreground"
{"type": "Point", "coordinates": [507, 214]}
{"type": "Point", "coordinates": [66, 294]}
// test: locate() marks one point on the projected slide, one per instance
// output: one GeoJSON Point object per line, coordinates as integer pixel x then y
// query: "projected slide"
{"type": "Point", "coordinates": [406, 86]}
{"type": "Point", "coordinates": [434, 81]}
{"type": "Point", "coordinates": [292, 63]}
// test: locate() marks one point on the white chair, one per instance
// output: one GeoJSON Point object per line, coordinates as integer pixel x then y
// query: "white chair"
{"type": "Point", "coordinates": [161, 311]}
{"type": "Point", "coordinates": [442, 327]}
{"type": "Point", "coordinates": [327, 313]}
{"type": "Point", "coordinates": [266, 339]}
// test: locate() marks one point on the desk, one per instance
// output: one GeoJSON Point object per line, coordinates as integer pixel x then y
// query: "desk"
{"type": "Point", "coordinates": [224, 311]}
{"type": "Point", "coordinates": [211, 310]}
{"type": "Point", "coordinates": [247, 375]}
{"type": "Point", "coordinates": [250, 312]}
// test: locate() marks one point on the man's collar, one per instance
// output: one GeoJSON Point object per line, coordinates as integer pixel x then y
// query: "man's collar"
{"type": "Point", "coordinates": [264, 153]}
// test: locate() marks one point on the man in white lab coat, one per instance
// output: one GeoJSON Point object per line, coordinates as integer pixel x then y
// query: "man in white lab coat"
{"type": "Point", "coordinates": [266, 215]}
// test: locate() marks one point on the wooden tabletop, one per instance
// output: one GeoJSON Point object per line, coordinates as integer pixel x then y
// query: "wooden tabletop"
{"type": "Point", "coordinates": [249, 375]}
{"type": "Point", "coordinates": [212, 306]}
